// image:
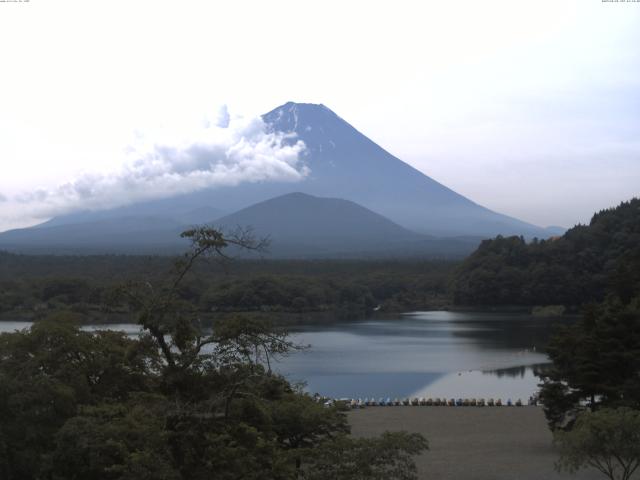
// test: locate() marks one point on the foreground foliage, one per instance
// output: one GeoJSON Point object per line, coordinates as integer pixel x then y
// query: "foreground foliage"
{"type": "Point", "coordinates": [345, 458]}
{"type": "Point", "coordinates": [596, 362]}
{"type": "Point", "coordinates": [607, 440]}
{"type": "Point", "coordinates": [177, 402]}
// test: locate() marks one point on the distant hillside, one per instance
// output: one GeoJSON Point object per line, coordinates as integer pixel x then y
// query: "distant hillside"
{"type": "Point", "coordinates": [582, 266]}
{"type": "Point", "coordinates": [300, 225]}
{"type": "Point", "coordinates": [135, 234]}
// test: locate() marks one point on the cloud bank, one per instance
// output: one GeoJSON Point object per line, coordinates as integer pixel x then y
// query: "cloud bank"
{"type": "Point", "coordinates": [173, 159]}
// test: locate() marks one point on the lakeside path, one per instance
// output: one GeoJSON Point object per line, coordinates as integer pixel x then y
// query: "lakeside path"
{"type": "Point", "coordinates": [473, 443]}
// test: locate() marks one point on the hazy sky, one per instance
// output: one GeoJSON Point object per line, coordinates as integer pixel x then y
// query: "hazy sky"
{"type": "Point", "coordinates": [531, 108]}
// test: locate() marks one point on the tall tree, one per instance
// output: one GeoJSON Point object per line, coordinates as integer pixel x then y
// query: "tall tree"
{"type": "Point", "coordinates": [607, 440]}
{"type": "Point", "coordinates": [596, 360]}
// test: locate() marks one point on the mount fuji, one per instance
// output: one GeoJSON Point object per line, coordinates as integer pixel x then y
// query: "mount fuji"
{"type": "Point", "coordinates": [346, 164]}
{"type": "Point", "coordinates": [342, 164]}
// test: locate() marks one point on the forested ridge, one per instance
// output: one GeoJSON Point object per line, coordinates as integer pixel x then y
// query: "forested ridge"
{"type": "Point", "coordinates": [582, 266]}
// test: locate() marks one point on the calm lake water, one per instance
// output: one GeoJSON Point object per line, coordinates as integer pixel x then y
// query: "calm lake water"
{"type": "Point", "coordinates": [423, 354]}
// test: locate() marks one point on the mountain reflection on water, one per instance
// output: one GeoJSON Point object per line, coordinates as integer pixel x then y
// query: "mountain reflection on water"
{"type": "Point", "coordinates": [430, 354]}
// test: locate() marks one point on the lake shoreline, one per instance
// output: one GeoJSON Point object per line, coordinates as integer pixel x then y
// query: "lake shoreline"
{"type": "Point", "coordinates": [438, 354]}
{"type": "Point", "coordinates": [284, 318]}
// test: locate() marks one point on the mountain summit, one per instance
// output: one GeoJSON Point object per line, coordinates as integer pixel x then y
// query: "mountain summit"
{"type": "Point", "coordinates": [346, 164]}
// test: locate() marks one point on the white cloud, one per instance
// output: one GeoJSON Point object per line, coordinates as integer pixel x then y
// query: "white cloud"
{"type": "Point", "coordinates": [178, 156]}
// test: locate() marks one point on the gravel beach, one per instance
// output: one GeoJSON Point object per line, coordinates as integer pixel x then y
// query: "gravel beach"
{"type": "Point", "coordinates": [473, 443]}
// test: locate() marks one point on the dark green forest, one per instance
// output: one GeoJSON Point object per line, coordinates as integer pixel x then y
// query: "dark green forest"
{"type": "Point", "coordinates": [595, 362]}
{"type": "Point", "coordinates": [582, 266]}
{"type": "Point", "coordinates": [32, 287]}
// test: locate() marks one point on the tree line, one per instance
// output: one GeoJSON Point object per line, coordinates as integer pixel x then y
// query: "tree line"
{"type": "Point", "coordinates": [582, 266]}
{"type": "Point", "coordinates": [32, 287]}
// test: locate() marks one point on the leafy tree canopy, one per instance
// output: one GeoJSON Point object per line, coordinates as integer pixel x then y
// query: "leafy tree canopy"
{"type": "Point", "coordinates": [596, 362]}
{"type": "Point", "coordinates": [607, 440]}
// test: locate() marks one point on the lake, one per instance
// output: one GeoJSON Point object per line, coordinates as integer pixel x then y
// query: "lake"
{"type": "Point", "coordinates": [420, 354]}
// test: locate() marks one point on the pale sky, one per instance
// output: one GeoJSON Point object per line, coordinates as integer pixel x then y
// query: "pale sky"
{"type": "Point", "coordinates": [531, 108]}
